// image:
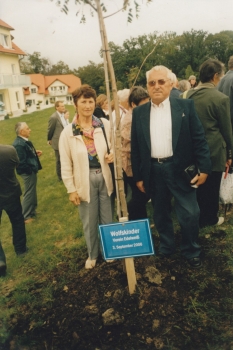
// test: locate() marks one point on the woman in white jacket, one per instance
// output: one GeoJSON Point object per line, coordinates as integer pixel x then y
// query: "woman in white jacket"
{"type": "Point", "coordinates": [85, 170]}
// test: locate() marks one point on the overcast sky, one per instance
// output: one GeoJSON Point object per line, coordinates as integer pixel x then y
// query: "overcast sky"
{"type": "Point", "coordinates": [41, 26]}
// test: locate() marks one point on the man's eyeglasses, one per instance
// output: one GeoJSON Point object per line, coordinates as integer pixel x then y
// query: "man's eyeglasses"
{"type": "Point", "coordinates": [160, 82]}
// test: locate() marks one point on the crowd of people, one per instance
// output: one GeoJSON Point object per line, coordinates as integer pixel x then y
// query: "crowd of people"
{"type": "Point", "coordinates": [166, 130]}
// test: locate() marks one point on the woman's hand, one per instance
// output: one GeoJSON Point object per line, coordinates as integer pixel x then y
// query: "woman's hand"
{"type": "Point", "coordinates": [74, 198]}
{"type": "Point", "coordinates": [109, 157]}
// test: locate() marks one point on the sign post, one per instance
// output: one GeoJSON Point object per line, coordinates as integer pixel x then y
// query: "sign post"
{"type": "Point", "coordinates": [127, 239]}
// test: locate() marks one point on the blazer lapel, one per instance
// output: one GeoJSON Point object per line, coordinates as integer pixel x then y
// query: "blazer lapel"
{"type": "Point", "coordinates": [145, 123]}
{"type": "Point", "coordinates": [59, 119]}
{"type": "Point", "coordinates": [177, 113]}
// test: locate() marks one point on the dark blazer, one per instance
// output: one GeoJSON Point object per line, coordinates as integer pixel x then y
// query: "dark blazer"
{"type": "Point", "coordinates": [226, 87]}
{"type": "Point", "coordinates": [28, 159]}
{"type": "Point", "coordinates": [213, 109]}
{"type": "Point", "coordinates": [175, 93]}
{"type": "Point", "coordinates": [9, 185]}
{"type": "Point", "coordinates": [188, 142]}
{"type": "Point", "coordinates": [55, 128]}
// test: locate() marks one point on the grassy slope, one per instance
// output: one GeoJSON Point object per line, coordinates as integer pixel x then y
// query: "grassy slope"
{"type": "Point", "coordinates": [57, 226]}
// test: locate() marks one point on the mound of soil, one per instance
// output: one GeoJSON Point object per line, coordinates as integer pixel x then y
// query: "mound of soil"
{"type": "Point", "coordinates": [174, 307]}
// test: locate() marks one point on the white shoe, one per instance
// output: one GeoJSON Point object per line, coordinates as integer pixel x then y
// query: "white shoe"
{"type": "Point", "coordinates": [110, 261]}
{"type": "Point", "coordinates": [220, 221]}
{"type": "Point", "coordinates": [90, 264]}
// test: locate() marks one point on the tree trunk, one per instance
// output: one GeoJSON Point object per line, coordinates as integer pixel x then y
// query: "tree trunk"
{"type": "Point", "coordinates": [108, 67]}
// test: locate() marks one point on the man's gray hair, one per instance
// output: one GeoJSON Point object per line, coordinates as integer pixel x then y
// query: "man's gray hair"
{"type": "Point", "coordinates": [158, 69]}
{"type": "Point", "coordinates": [173, 78]}
{"type": "Point", "coordinates": [123, 95]}
{"type": "Point", "coordinates": [230, 62]}
{"type": "Point", "coordinates": [19, 126]}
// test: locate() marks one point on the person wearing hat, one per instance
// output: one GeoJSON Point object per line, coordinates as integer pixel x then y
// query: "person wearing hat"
{"type": "Point", "coordinates": [193, 81]}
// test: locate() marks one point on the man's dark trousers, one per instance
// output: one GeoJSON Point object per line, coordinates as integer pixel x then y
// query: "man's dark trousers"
{"type": "Point", "coordinates": [162, 185]}
{"type": "Point", "coordinates": [13, 208]}
{"type": "Point", "coordinates": [29, 203]}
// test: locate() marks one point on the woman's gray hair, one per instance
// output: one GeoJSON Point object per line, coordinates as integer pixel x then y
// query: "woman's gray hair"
{"type": "Point", "coordinates": [123, 95]}
{"type": "Point", "coordinates": [184, 85]}
{"type": "Point", "coordinates": [19, 126]}
{"type": "Point", "coordinates": [158, 69]}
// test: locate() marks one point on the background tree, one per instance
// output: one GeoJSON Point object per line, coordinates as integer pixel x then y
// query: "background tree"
{"type": "Point", "coordinates": [60, 68]}
{"type": "Point", "coordinates": [92, 74]}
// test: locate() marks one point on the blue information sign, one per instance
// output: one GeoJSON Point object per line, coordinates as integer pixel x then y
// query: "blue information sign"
{"type": "Point", "coordinates": [126, 239]}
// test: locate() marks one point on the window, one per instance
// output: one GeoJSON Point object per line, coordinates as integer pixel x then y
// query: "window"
{"type": "Point", "coordinates": [52, 100]}
{"type": "Point", "coordinates": [5, 40]}
{"type": "Point", "coordinates": [13, 69]}
{"type": "Point", "coordinates": [68, 98]}
{"type": "Point", "coordinates": [17, 99]}
{"type": "Point", "coordinates": [33, 90]}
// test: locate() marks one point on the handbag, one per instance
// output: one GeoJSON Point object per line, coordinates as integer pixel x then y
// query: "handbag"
{"type": "Point", "coordinates": [111, 165]}
{"type": "Point", "coordinates": [226, 188]}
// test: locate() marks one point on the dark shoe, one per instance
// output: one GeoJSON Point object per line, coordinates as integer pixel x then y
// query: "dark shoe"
{"type": "Point", "coordinates": [2, 269]}
{"type": "Point", "coordinates": [22, 253]}
{"type": "Point", "coordinates": [195, 262]}
{"type": "Point", "coordinates": [161, 255]}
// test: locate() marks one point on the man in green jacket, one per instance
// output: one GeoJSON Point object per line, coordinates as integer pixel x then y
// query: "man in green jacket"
{"type": "Point", "coordinates": [213, 109]}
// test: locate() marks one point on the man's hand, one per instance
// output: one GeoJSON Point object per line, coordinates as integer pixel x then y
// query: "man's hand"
{"type": "Point", "coordinates": [109, 157]}
{"type": "Point", "coordinates": [49, 142]}
{"type": "Point", "coordinates": [228, 163]}
{"type": "Point", "coordinates": [74, 198]}
{"type": "Point", "coordinates": [39, 153]}
{"type": "Point", "coordinates": [199, 179]}
{"type": "Point", "coordinates": [140, 186]}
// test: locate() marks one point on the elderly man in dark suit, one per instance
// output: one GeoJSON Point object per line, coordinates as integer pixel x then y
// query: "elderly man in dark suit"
{"type": "Point", "coordinates": [10, 193]}
{"type": "Point", "coordinates": [28, 167]}
{"type": "Point", "coordinates": [166, 138]}
{"type": "Point", "coordinates": [56, 124]}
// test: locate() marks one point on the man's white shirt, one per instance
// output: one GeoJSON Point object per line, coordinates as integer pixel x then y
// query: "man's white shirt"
{"type": "Point", "coordinates": [63, 119]}
{"type": "Point", "coordinates": [161, 130]}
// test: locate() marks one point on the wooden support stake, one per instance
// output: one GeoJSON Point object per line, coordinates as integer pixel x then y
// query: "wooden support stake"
{"type": "Point", "coordinates": [128, 267]}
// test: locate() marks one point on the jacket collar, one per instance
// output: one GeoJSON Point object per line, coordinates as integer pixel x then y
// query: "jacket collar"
{"type": "Point", "coordinates": [177, 113]}
{"type": "Point", "coordinates": [96, 123]}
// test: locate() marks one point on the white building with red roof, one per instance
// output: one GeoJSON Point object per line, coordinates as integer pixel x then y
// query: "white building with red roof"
{"type": "Point", "coordinates": [12, 81]}
{"type": "Point", "coordinates": [46, 90]}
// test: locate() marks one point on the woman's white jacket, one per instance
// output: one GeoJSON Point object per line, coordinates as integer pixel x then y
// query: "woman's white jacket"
{"type": "Point", "coordinates": [75, 164]}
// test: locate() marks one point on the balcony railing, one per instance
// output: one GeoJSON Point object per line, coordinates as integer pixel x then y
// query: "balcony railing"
{"type": "Point", "coordinates": [58, 92]}
{"type": "Point", "coordinates": [14, 80]}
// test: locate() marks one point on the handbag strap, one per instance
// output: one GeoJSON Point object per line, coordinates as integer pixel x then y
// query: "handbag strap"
{"type": "Point", "coordinates": [108, 149]}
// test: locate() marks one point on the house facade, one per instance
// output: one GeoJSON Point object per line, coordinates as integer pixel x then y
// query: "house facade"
{"type": "Point", "coordinates": [46, 90]}
{"type": "Point", "coordinates": [12, 81]}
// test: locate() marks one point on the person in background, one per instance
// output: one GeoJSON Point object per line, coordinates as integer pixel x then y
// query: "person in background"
{"type": "Point", "coordinates": [213, 109]}
{"type": "Point", "coordinates": [67, 115]}
{"type": "Point", "coordinates": [226, 85]}
{"type": "Point", "coordinates": [28, 167]}
{"type": "Point", "coordinates": [57, 122]}
{"type": "Point", "coordinates": [123, 96]}
{"type": "Point", "coordinates": [101, 109]}
{"type": "Point", "coordinates": [193, 81]}
{"type": "Point", "coordinates": [85, 168]}
{"type": "Point", "coordinates": [137, 203]}
{"type": "Point", "coordinates": [184, 85]}
{"type": "Point", "coordinates": [167, 136]}
{"type": "Point", "coordinates": [175, 92]}
{"type": "Point", "coordinates": [10, 193]}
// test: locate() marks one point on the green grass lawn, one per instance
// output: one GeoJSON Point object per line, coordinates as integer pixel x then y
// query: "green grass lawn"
{"type": "Point", "coordinates": [57, 227]}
